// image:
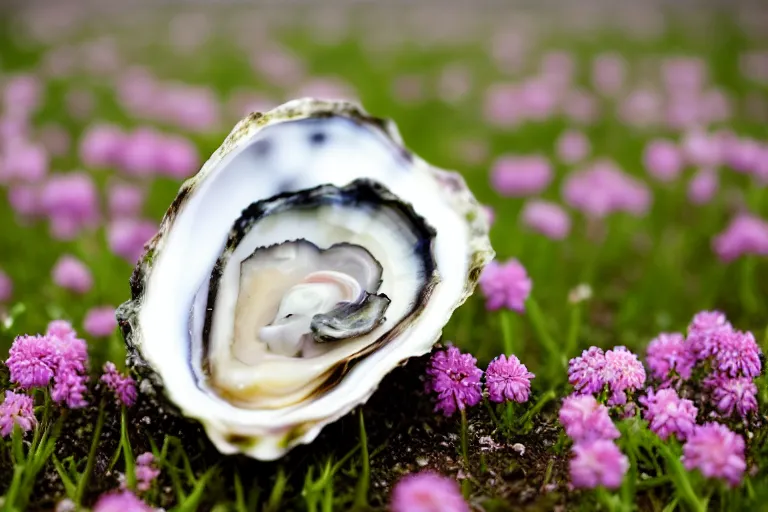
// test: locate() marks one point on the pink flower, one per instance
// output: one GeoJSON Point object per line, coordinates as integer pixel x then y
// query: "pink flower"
{"type": "Point", "coordinates": [145, 472]}
{"type": "Point", "coordinates": [505, 285]}
{"type": "Point", "coordinates": [126, 237]}
{"type": "Point", "coordinates": [141, 152]}
{"type": "Point", "coordinates": [455, 378]}
{"type": "Point", "coordinates": [101, 146]}
{"type": "Point", "coordinates": [69, 387]}
{"type": "Point", "coordinates": [100, 321]}
{"type": "Point", "coordinates": [597, 463]}
{"type": "Point", "coordinates": [584, 419]}
{"type": "Point", "coordinates": [178, 157]}
{"type": "Point", "coordinates": [123, 501]}
{"type": "Point", "coordinates": [716, 452]}
{"type": "Point", "coordinates": [6, 286]}
{"type": "Point", "coordinates": [663, 160]}
{"type": "Point", "coordinates": [21, 94]}
{"type": "Point", "coordinates": [72, 274]}
{"type": "Point", "coordinates": [702, 329]}
{"type": "Point", "coordinates": [508, 379]}
{"type": "Point", "coordinates": [733, 394]}
{"type": "Point", "coordinates": [746, 234]}
{"type": "Point", "coordinates": [586, 372]}
{"type": "Point", "coordinates": [572, 147]}
{"type": "Point", "coordinates": [124, 200]}
{"type": "Point", "coordinates": [31, 361]}
{"type": "Point", "coordinates": [515, 176]}
{"type": "Point", "coordinates": [123, 386]}
{"type": "Point", "coordinates": [17, 409]}
{"type": "Point", "coordinates": [703, 186]}
{"type": "Point", "coordinates": [608, 73]}
{"type": "Point", "coordinates": [25, 162]}
{"type": "Point", "coordinates": [25, 200]}
{"type": "Point", "coordinates": [602, 189]}
{"type": "Point", "coordinates": [623, 370]}
{"type": "Point", "coordinates": [668, 414]}
{"type": "Point", "coordinates": [501, 107]}
{"type": "Point", "coordinates": [427, 492]}
{"type": "Point", "coordinates": [701, 149]}
{"type": "Point", "coordinates": [668, 353]}
{"type": "Point", "coordinates": [734, 353]}
{"type": "Point", "coordinates": [547, 218]}
{"type": "Point", "coordinates": [71, 202]}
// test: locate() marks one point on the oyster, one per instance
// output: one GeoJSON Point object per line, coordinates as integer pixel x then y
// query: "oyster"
{"type": "Point", "coordinates": [310, 255]}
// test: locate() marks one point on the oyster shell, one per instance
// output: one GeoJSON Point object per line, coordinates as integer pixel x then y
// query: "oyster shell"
{"type": "Point", "coordinates": [310, 255]}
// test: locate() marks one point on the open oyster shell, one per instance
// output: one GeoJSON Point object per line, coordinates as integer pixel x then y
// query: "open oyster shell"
{"type": "Point", "coordinates": [310, 255]}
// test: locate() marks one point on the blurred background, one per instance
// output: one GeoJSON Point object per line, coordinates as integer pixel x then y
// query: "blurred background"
{"type": "Point", "coordinates": [619, 145]}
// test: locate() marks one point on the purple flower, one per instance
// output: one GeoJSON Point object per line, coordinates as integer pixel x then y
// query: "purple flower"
{"type": "Point", "coordinates": [663, 160]}
{"type": "Point", "coordinates": [31, 361]}
{"type": "Point", "coordinates": [123, 386]}
{"type": "Point", "coordinates": [27, 163]}
{"type": "Point", "coordinates": [141, 152]}
{"type": "Point", "coordinates": [6, 286]}
{"type": "Point", "coordinates": [547, 218]}
{"type": "Point", "coordinates": [71, 202]}
{"type": "Point", "coordinates": [100, 321]}
{"type": "Point", "coordinates": [508, 379]}
{"type": "Point", "coordinates": [69, 387]}
{"type": "Point", "coordinates": [124, 200]}
{"type": "Point", "coordinates": [123, 501]}
{"type": "Point", "coordinates": [178, 157]}
{"type": "Point", "coordinates": [668, 353]}
{"type": "Point", "coordinates": [585, 373]}
{"type": "Point", "coordinates": [72, 274]}
{"type": "Point", "coordinates": [427, 492]}
{"type": "Point", "coordinates": [746, 234]}
{"type": "Point", "coordinates": [716, 452]}
{"type": "Point", "coordinates": [572, 147]}
{"type": "Point", "coordinates": [729, 395]}
{"type": "Point", "coordinates": [597, 463]}
{"type": "Point", "coordinates": [455, 378]}
{"type": "Point", "coordinates": [602, 189]}
{"type": "Point", "coordinates": [517, 176]}
{"type": "Point", "coordinates": [623, 370]}
{"type": "Point", "coordinates": [734, 353]}
{"type": "Point", "coordinates": [701, 330]}
{"type": "Point", "coordinates": [126, 237]}
{"type": "Point", "coordinates": [668, 414]}
{"type": "Point", "coordinates": [145, 472]}
{"type": "Point", "coordinates": [584, 419]}
{"type": "Point", "coordinates": [17, 409]}
{"type": "Point", "coordinates": [703, 186]}
{"type": "Point", "coordinates": [101, 145]}
{"type": "Point", "coordinates": [505, 285]}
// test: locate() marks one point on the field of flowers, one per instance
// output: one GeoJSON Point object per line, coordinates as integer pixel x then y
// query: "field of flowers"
{"type": "Point", "coordinates": [612, 355]}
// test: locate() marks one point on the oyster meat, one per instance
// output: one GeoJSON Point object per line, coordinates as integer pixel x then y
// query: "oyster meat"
{"type": "Point", "coordinates": [310, 255]}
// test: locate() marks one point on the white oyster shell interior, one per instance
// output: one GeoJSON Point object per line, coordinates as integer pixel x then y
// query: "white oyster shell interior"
{"type": "Point", "coordinates": [252, 385]}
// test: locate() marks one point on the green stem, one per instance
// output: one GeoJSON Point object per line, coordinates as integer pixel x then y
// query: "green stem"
{"type": "Point", "coordinates": [539, 325]}
{"type": "Point", "coordinates": [506, 332]}
{"type": "Point", "coordinates": [91, 456]}
{"type": "Point", "coordinates": [464, 437]}
{"type": "Point", "coordinates": [747, 293]}
{"type": "Point", "coordinates": [361, 496]}
{"type": "Point", "coordinates": [573, 330]}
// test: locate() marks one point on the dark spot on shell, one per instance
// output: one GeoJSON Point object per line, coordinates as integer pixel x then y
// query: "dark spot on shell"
{"type": "Point", "coordinates": [262, 147]}
{"type": "Point", "coordinates": [317, 138]}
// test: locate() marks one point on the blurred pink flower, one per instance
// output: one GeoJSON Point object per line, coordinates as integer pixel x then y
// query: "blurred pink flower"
{"type": "Point", "coordinates": [192, 108]}
{"type": "Point", "coordinates": [701, 149]}
{"type": "Point", "coordinates": [684, 74]}
{"type": "Point", "coordinates": [100, 321]}
{"type": "Point", "coordinates": [742, 154]}
{"type": "Point", "coordinates": [515, 176]}
{"type": "Point", "coordinates": [71, 203]}
{"type": "Point", "coordinates": [703, 186]}
{"type": "Point", "coordinates": [6, 286]}
{"type": "Point", "coordinates": [602, 188]}
{"type": "Point", "coordinates": [102, 145]}
{"type": "Point", "coordinates": [141, 152]}
{"type": "Point", "coordinates": [25, 162]}
{"type": "Point", "coordinates": [597, 463]}
{"type": "Point", "coordinates": [662, 160]}
{"type": "Point", "coordinates": [324, 87]}
{"type": "Point", "coordinates": [641, 108]}
{"type": "Point", "coordinates": [608, 73]}
{"type": "Point", "coordinates": [547, 218]}
{"type": "Point", "coordinates": [537, 99]}
{"type": "Point", "coordinates": [178, 157]}
{"type": "Point", "coordinates": [72, 274]}
{"type": "Point", "coordinates": [746, 234]}
{"type": "Point", "coordinates": [505, 285]}
{"type": "Point", "coordinates": [427, 492]}
{"type": "Point", "coordinates": [25, 200]}
{"type": "Point", "coordinates": [21, 94]}
{"type": "Point", "coordinates": [580, 107]}
{"type": "Point", "coordinates": [502, 105]}
{"type": "Point", "coordinates": [572, 147]}
{"type": "Point", "coordinates": [126, 237]}
{"type": "Point", "coordinates": [55, 139]}
{"type": "Point", "coordinates": [124, 199]}
{"type": "Point", "coordinates": [278, 66]}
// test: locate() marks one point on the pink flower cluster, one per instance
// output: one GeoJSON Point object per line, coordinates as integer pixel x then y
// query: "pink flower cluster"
{"type": "Point", "coordinates": [456, 380]}
{"type": "Point", "coordinates": [60, 356]}
{"type": "Point", "coordinates": [602, 188]}
{"type": "Point", "coordinates": [717, 452]}
{"type": "Point", "coordinates": [548, 218]}
{"type": "Point", "coordinates": [596, 460]}
{"type": "Point", "coordinates": [505, 285]}
{"type": "Point", "coordinates": [145, 471]}
{"type": "Point", "coordinates": [618, 371]}
{"type": "Point", "coordinates": [668, 414]}
{"type": "Point", "coordinates": [17, 409]}
{"type": "Point", "coordinates": [122, 501]}
{"type": "Point", "coordinates": [516, 176]}
{"type": "Point", "coordinates": [123, 386]}
{"type": "Point", "coordinates": [427, 492]}
{"type": "Point", "coordinates": [746, 234]}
